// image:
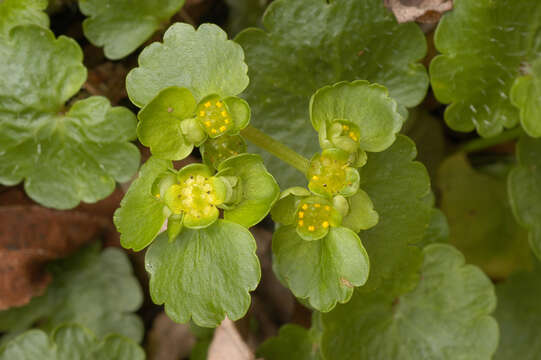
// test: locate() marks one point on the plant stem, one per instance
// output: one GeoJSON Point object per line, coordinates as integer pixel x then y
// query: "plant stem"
{"type": "Point", "coordinates": [276, 148]}
{"type": "Point", "coordinates": [483, 143]}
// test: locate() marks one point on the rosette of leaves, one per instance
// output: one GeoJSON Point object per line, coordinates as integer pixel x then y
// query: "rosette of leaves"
{"type": "Point", "coordinates": [487, 63]}
{"type": "Point", "coordinates": [308, 44]}
{"type": "Point", "coordinates": [319, 258]}
{"type": "Point", "coordinates": [83, 293]}
{"type": "Point", "coordinates": [524, 189]}
{"type": "Point", "coordinates": [121, 26]}
{"type": "Point", "coordinates": [204, 267]}
{"type": "Point", "coordinates": [22, 12]}
{"type": "Point", "coordinates": [443, 317]}
{"type": "Point", "coordinates": [64, 155]}
{"type": "Point", "coordinates": [187, 89]}
{"type": "Point", "coordinates": [70, 342]}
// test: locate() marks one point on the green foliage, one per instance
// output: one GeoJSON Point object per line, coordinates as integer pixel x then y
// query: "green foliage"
{"type": "Point", "coordinates": [524, 189]}
{"type": "Point", "coordinates": [204, 274]}
{"type": "Point", "coordinates": [312, 43]}
{"type": "Point", "coordinates": [447, 316]}
{"type": "Point", "coordinates": [398, 187]}
{"type": "Point", "coordinates": [121, 26]}
{"type": "Point", "coordinates": [70, 342]}
{"type": "Point", "coordinates": [292, 342]}
{"type": "Point", "coordinates": [480, 218]}
{"type": "Point", "coordinates": [215, 65]}
{"type": "Point", "coordinates": [141, 215]}
{"type": "Point", "coordinates": [484, 45]}
{"type": "Point", "coordinates": [518, 314]}
{"type": "Point", "coordinates": [92, 288]}
{"type": "Point", "coordinates": [64, 156]}
{"type": "Point", "coordinates": [323, 271]}
{"type": "Point", "coordinates": [22, 12]}
{"type": "Point", "coordinates": [526, 95]}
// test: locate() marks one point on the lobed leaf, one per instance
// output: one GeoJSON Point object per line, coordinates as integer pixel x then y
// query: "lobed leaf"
{"type": "Point", "coordinates": [525, 189]}
{"type": "Point", "coordinates": [92, 288]}
{"type": "Point", "coordinates": [121, 26]}
{"type": "Point", "coordinates": [64, 157]}
{"type": "Point", "coordinates": [483, 46]}
{"type": "Point", "coordinates": [526, 95]}
{"type": "Point", "coordinates": [323, 271]}
{"type": "Point", "coordinates": [480, 218]}
{"type": "Point", "coordinates": [308, 44]}
{"type": "Point", "coordinates": [205, 274]}
{"type": "Point", "coordinates": [22, 12]}
{"type": "Point", "coordinates": [70, 342]}
{"type": "Point", "coordinates": [141, 216]}
{"type": "Point", "coordinates": [292, 342]}
{"type": "Point", "coordinates": [202, 60]}
{"type": "Point", "coordinates": [447, 316]}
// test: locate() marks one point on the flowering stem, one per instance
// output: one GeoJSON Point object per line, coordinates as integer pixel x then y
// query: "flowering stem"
{"type": "Point", "coordinates": [276, 148]}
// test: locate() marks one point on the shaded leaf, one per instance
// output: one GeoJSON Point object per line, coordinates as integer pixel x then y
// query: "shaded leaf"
{"type": "Point", "coordinates": [92, 288]}
{"type": "Point", "coordinates": [121, 26]}
{"type": "Point", "coordinates": [526, 95]}
{"type": "Point", "coordinates": [22, 12]}
{"type": "Point", "coordinates": [292, 342]}
{"type": "Point", "coordinates": [312, 43]}
{"type": "Point", "coordinates": [447, 316]}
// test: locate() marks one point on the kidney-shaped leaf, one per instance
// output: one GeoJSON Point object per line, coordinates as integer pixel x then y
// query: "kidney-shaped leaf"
{"type": "Point", "coordinates": [309, 44]}
{"type": "Point", "coordinates": [446, 317]}
{"type": "Point", "coordinates": [70, 342]}
{"type": "Point", "coordinates": [201, 60]}
{"type": "Point", "coordinates": [120, 26]}
{"type": "Point", "coordinates": [484, 44]}
{"type": "Point", "coordinates": [22, 12]}
{"type": "Point", "coordinates": [204, 274]}
{"type": "Point", "coordinates": [64, 157]}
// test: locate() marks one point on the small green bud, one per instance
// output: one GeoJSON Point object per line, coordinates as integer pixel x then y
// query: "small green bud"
{"type": "Point", "coordinates": [341, 204]}
{"type": "Point", "coordinates": [344, 135]}
{"type": "Point", "coordinates": [193, 132]}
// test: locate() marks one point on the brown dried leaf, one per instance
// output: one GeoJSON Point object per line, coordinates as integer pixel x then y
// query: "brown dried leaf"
{"type": "Point", "coordinates": [168, 340]}
{"type": "Point", "coordinates": [424, 11]}
{"type": "Point", "coordinates": [227, 344]}
{"type": "Point", "coordinates": [32, 235]}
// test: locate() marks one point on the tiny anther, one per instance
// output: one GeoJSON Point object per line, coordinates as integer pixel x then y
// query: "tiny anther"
{"type": "Point", "coordinates": [207, 104]}
{"type": "Point", "coordinates": [222, 128]}
{"type": "Point", "coordinates": [158, 196]}
{"type": "Point", "coordinates": [311, 228]}
{"type": "Point", "coordinates": [317, 205]}
{"type": "Point", "coordinates": [226, 121]}
{"type": "Point", "coordinates": [301, 223]}
{"type": "Point", "coordinates": [169, 109]}
{"type": "Point", "coordinates": [327, 207]}
{"type": "Point", "coordinates": [224, 113]}
{"type": "Point", "coordinates": [207, 123]}
{"type": "Point", "coordinates": [305, 206]}
{"type": "Point", "coordinates": [301, 214]}
{"type": "Point", "coordinates": [213, 131]}
{"type": "Point", "coordinates": [201, 113]}
{"type": "Point", "coordinates": [325, 224]}
{"type": "Point", "coordinates": [315, 177]}
{"type": "Point", "coordinates": [345, 127]}
{"type": "Point", "coordinates": [218, 104]}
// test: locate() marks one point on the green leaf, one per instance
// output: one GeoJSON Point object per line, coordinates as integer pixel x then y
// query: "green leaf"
{"type": "Point", "coordinates": [22, 12]}
{"type": "Point", "coordinates": [526, 95]}
{"type": "Point", "coordinates": [244, 13]}
{"type": "Point", "coordinates": [481, 222]}
{"type": "Point", "coordinates": [204, 274]}
{"type": "Point", "coordinates": [483, 44]}
{"type": "Point", "coordinates": [292, 342]}
{"type": "Point", "coordinates": [322, 271]}
{"type": "Point", "coordinates": [518, 314]}
{"type": "Point", "coordinates": [141, 215]}
{"type": "Point", "coordinates": [366, 105]}
{"type": "Point", "coordinates": [159, 126]}
{"type": "Point", "coordinates": [201, 60]}
{"type": "Point", "coordinates": [398, 187]}
{"type": "Point", "coordinates": [70, 342]}
{"type": "Point", "coordinates": [67, 157]}
{"type": "Point", "coordinates": [361, 215]}
{"type": "Point", "coordinates": [284, 209]}
{"type": "Point", "coordinates": [525, 189]}
{"type": "Point", "coordinates": [446, 317]}
{"type": "Point", "coordinates": [258, 188]}
{"type": "Point", "coordinates": [312, 43]}
{"type": "Point", "coordinates": [121, 26]}
{"type": "Point", "coordinates": [438, 229]}
{"type": "Point", "coordinates": [92, 288]}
